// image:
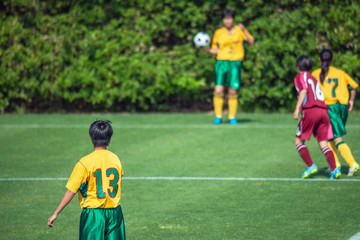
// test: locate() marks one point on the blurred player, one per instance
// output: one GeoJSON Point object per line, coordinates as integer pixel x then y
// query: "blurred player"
{"type": "Point", "coordinates": [314, 118]}
{"type": "Point", "coordinates": [228, 45]}
{"type": "Point", "coordinates": [97, 178]}
{"type": "Point", "coordinates": [335, 85]}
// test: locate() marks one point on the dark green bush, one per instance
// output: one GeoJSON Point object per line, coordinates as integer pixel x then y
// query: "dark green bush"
{"type": "Point", "coordinates": [138, 55]}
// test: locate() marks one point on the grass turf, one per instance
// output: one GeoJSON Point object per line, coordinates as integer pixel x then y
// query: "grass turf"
{"type": "Point", "coordinates": [178, 145]}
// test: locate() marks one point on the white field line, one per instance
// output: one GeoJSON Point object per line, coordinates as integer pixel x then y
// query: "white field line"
{"type": "Point", "coordinates": [155, 126]}
{"type": "Point", "coordinates": [355, 237]}
{"type": "Point", "coordinates": [193, 179]}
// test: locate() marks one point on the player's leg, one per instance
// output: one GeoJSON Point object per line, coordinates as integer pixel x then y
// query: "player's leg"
{"type": "Point", "coordinates": [218, 101]}
{"type": "Point", "coordinates": [115, 224]}
{"type": "Point", "coordinates": [234, 79]}
{"type": "Point", "coordinates": [329, 155]}
{"type": "Point", "coordinates": [323, 132]}
{"type": "Point", "coordinates": [303, 132]}
{"type": "Point", "coordinates": [233, 105]}
{"type": "Point", "coordinates": [338, 114]}
{"type": "Point", "coordinates": [305, 155]}
{"type": "Point", "coordinates": [332, 146]}
{"type": "Point", "coordinates": [92, 224]}
{"type": "Point", "coordinates": [345, 152]}
{"type": "Point", "coordinates": [221, 70]}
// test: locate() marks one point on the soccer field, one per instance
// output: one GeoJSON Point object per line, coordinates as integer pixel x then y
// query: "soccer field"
{"type": "Point", "coordinates": [185, 178]}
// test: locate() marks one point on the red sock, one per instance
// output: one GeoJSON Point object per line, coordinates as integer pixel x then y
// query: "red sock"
{"type": "Point", "coordinates": [304, 154]}
{"type": "Point", "coordinates": [329, 157]}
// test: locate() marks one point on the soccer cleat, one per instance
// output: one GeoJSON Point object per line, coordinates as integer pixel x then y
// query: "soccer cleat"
{"type": "Point", "coordinates": [233, 121]}
{"type": "Point", "coordinates": [353, 169]}
{"type": "Point", "coordinates": [217, 120]}
{"type": "Point", "coordinates": [309, 171]}
{"type": "Point", "coordinates": [338, 165]}
{"type": "Point", "coordinates": [335, 174]}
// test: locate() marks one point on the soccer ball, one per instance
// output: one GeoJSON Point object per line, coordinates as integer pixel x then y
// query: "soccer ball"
{"type": "Point", "coordinates": [202, 39]}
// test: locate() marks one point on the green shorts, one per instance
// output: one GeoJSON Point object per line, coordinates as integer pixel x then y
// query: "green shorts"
{"type": "Point", "coordinates": [102, 223]}
{"type": "Point", "coordinates": [338, 114]}
{"type": "Point", "coordinates": [229, 73]}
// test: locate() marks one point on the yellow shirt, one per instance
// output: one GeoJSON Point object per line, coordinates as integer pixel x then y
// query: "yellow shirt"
{"type": "Point", "coordinates": [97, 177]}
{"type": "Point", "coordinates": [335, 86]}
{"type": "Point", "coordinates": [230, 45]}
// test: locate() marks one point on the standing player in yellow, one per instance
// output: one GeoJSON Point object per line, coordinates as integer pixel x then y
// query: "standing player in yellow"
{"type": "Point", "coordinates": [228, 45]}
{"type": "Point", "coordinates": [97, 178]}
{"type": "Point", "coordinates": [335, 84]}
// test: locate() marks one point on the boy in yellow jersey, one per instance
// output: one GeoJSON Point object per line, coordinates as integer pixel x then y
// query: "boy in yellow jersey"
{"type": "Point", "coordinates": [97, 178]}
{"type": "Point", "coordinates": [228, 45]}
{"type": "Point", "coordinates": [335, 84]}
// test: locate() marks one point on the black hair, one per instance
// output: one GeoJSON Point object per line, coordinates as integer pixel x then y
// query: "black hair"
{"type": "Point", "coordinates": [100, 133]}
{"type": "Point", "coordinates": [228, 13]}
{"type": "Point", "coordinates": [326, 58]}
{"type": "Point", "coordinates": [304, 63]}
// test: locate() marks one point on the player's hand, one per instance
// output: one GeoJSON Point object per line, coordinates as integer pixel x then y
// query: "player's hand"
{"type": "Point", "coordinates": [351, 105]}
{"type": "Point", "coordinates": [51, 220]}
{"type": "Point", "coordinates": [296, 114]}
{"type": "Point", "coordinates": [241, 26]}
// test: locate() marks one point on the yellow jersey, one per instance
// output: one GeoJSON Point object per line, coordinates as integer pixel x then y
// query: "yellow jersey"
{"type": "Point", "coordinates": [97, 177]}
{"type": "Point", "coordinates": [335, 86]}
{"type": "Point", "coordinates": [230, 45]}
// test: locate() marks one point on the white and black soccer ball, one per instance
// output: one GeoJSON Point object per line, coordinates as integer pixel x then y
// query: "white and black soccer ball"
{"type": "Point", "coordinates": [201, 39]}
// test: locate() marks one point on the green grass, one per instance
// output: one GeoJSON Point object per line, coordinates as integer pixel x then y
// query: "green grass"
{"type": "Point", "coordinates": [178, 145]}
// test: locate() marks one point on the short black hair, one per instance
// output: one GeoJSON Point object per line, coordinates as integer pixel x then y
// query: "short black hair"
{"type": "Point", "coordinates": [228, 13]}
{"type": "Point", "coordinates": [304, 63]}
{"type": "Point", "coordinates": [100, 133]}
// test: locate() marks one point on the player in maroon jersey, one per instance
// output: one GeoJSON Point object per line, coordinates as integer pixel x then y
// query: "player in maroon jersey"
{"type": "Point", "coordinates": [314, 118]}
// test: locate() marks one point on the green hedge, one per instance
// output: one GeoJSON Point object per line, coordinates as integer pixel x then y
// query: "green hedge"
{"type": "Point", "coordinates": [138, 55]}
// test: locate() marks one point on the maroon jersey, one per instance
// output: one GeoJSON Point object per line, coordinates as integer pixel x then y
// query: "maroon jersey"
{"type": "Point", "coordinates": [315, 97]}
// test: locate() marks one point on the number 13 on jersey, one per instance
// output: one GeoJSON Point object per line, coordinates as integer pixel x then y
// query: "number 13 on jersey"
{"type": "Point", "coordinates": [112, 175]}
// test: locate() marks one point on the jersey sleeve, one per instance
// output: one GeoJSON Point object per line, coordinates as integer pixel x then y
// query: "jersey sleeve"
{"type": "Point", "coordinates": [247, 32]}
{"type": "Point", "coordinates": [78, 177]}
{"type": "Point", "coordinates": [214, 44]}
{"type": "Point", "coordinates": [350, 82]}
{"type": "Point", "coordinates": [300, 82]}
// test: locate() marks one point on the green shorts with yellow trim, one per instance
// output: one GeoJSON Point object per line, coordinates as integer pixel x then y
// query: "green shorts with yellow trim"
{"type": "Point", "coordinates": [102, 223]}
{"type": "Point", "coordinates": [229, 73]}
{"type": "Point", "coordinates": [338, 114]}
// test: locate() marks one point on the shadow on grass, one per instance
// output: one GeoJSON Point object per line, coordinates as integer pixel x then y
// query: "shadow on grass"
{"type": "Point", "coordinates": [321, 172]}
{"type": "Point", "coordinates": [247, 120]}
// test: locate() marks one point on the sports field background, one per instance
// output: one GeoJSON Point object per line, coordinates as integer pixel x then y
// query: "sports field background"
{"type": "Point", "coordinates": [178, 145]}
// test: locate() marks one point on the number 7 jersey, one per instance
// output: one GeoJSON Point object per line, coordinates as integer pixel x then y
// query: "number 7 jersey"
{"type": "Point", "coordinates": [314, 97]}
{"type": "Point", "coordinates": [336, 85]}
{"type": "Point", "coordinates": [97, 178]}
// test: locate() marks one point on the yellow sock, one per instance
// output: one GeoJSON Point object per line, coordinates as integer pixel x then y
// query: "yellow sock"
{"type": "Point", "coordinates": [233, 104]}
{"type": "Point", "coordinates": [345, 153]}
{"type": "Point", "coordinates": [218, 101]}
{"type": "Point", "coordinates": [332, 146]}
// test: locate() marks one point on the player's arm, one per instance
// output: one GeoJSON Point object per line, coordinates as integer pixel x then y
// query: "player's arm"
{"type": "Point", "coordinates": [352, 99]}
{"type": "Point", "coordinates": [76, 178]}
{"type": "Point", "coordinates": [68, 196]}
{"type": "Point", "coordinates": [299, 103]}
{"type": "Point", "coordinates": [249, 38]}
{"type": "Point", "coordinates": [213, 51]}
{"type": "Point", "coordinates": [352, 85]}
